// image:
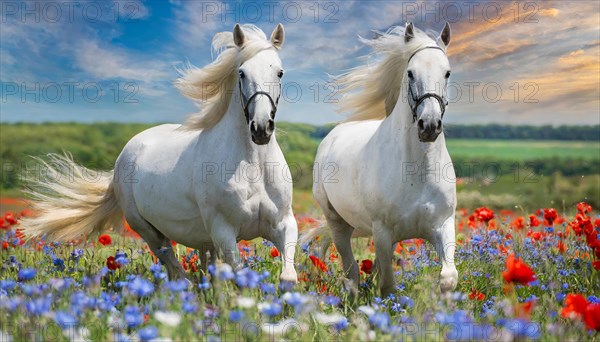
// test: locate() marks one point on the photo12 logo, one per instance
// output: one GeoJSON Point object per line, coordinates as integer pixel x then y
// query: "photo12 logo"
{"type": "Point", "coordinates": [71, 11]}
{"type": "Point", "coordinates": [70, 92]}
{"type": "Point", "coordinates": [270, 11]}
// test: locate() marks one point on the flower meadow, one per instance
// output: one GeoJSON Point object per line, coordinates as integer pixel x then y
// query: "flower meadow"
{"type": "Point", "coordinates": [521, 277]}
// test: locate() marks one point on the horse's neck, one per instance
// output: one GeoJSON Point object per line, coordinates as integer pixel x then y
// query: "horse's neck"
{"type": "Point", "coordinates": [402, 139]}
{"type": "Point", "coordinates": [233, 130]}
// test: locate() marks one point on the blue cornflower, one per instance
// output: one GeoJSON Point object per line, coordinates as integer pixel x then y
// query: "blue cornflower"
{"type": "Point", "coordinates": [341, 324]}
{"type": "Point", "coordinates": [177, 285]}
{"type": "Point", "coordinates": [7, 285]}
{"type": "Point", "coordinates": [204, 284]}
{"type": "Point", "coordinates": [133, 316]}
{"type": "Point", "coordinates": [294, 299]}
{"type": "Point", "coordinates": [406, 302]}
{"type": "Point", "coordinates": [140, 287]}
{"type": "Point", "coordinates": [77, 254]}
{"type": "Point", "coordinates": [148, 333]}
{"type": "Point", "coordinates": [304, 248]}
{"type": "Point", "coordinates": [332, 300]}
{"type": "Point", "coordinates": [593, 299]}
{"type": "Point", "coordinates": [26, 274]}
{"type": "Point", "coordinates": [64, 319]}
{"type": "Point", "coordinates": [271, 309]}
{"type": "Point", "coordinates": [267, 288]}
{"type": "Point", "coordinates": [286, 286]}
{"type": "Point", "coordinates": [225, 272]}
{"type": "Point", "coordinates": [521, 328]}
{"type": "Point", "coordinates": [59, 263]}
{"type": "Point", "coordinates": [121, 258]}
{"type": "Point", "coordinates": [247, 278]}
{"type": "Point", "coordinates": [189, 307]}
{"type": "Point", "coordinates": [380, 320]}
{"type": "Point", "coordinates": [39, 306]}
{"type": "Point", "coordinates": [236, 316]}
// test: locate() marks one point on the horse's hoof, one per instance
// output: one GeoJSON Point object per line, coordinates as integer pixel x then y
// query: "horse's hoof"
{"type": "Point", "coordinates": [448, 281]}
{"type": "Point", "coordinates": [289, 276]}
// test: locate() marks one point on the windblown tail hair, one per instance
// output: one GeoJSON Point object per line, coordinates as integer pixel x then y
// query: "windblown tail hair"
{"type": "Point", "coordinates": [322, 245]}
{"type": "Point", "coordinates": [69, 201]}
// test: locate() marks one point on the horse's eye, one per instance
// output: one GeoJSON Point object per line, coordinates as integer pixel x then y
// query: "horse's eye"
{"type": "Point", "coordinates": [242, 75]}
{"type": "Point", "coordinates": [447, 74]}
{"type": "Point", "coordinates": [280, 74]}
{"type": "Point", "coordinates": [410, 75]}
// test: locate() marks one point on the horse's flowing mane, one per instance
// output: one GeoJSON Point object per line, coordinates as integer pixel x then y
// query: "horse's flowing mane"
{"type": "Point", "coordinates": [370, 92]}
{"type": "Point", "coordinates": [212, 86]}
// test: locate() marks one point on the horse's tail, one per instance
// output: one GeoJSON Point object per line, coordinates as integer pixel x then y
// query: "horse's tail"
{"type": "Point", "coordinates": [69, 201]}
{"type": "Point", "coordinates": [324, 241]}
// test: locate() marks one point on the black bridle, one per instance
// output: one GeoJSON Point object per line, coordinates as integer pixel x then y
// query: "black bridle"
{"type": "Point", "coordinates": [419, 99]}
{"type": "Point", "coordinates": [245, 104]}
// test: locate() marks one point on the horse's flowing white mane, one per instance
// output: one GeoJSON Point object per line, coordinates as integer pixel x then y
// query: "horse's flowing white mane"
{"type": "Point", "coordinates": [212, 86]}
{"type": "Point", "coordinates": [370, 92]}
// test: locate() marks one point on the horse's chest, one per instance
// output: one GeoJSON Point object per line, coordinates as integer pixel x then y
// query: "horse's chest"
{"type": "Point", "coordinates": [248, 204]}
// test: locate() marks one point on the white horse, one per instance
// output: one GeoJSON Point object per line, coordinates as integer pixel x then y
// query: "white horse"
{"type": "Point", "coordinates": [386, 172]}
{"type": "Point", "coordinates": [219, 178]}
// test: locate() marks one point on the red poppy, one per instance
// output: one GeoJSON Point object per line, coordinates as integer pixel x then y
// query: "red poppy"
{"type": "Point", "coordinates": [550, 215]}
{"type": "Point", "coordinates": [523, 310]}
{"type": "Point", "coordinates": [274, 252]}
{"type": "Point", "coordinates": [584, 208]}
{"type": "Point", "coordinates": [484, 214]}
{"type": "Point", "coordinates": [366, 266]}
{"type": "Point", "coordinates": [5, 245]}
{"type": "Point", "coordinates": [517, 271]}
{"type": "Point", "coordinates": [105, 240]}
{"type": "Point", "coordinates": [502, 249]}
{"type": "Point", "coordinates": [518, 223]}
{"type": "Point", "coordinates": [575, 305]}
{"type": "Point", "coordinates": [596, 264]}
{"type": "Point", "coordinates": [10, 218]}
{"type": "Point", "coordinates": [592, 317]}
{"type": "Point", "coordinates": [3, 225]}
{"type": "Point", "coordinates": [476, 295]}
{"type": "Point", "coordinates": [112, 263]}
{"type": "Point", "coordinates": [562, 248]}
{"type": "Point", "coordinates": [533, 221]}
{"type": "Point", "coordinates": [319, 264]}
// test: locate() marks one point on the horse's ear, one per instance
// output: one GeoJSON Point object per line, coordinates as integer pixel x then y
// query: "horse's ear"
{"type": "Point", "coordinates": [445, 35]}
{"type": "Point", "coordinates": [238, 36]}
{"type": "Point", "coordinates": [278, 36]}
{"type": "Point", "coordinates": [409, 32]}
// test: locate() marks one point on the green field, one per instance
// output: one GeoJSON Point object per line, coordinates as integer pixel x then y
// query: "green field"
{"type": "Point", "coordinates": [565, 171]}
{"type": "Point", "coordinates": [519, 150]}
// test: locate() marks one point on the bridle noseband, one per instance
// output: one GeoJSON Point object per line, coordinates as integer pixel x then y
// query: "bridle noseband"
{"type": "Point", "coordinates": [418, 100]}
{"type": "Point", "coordinates": [274, 104]}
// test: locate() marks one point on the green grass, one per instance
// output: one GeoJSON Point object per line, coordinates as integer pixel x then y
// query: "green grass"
{"type": "Point", "coordinates": [519, 150]}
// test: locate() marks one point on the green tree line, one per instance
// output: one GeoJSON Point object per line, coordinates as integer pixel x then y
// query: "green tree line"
{"type": "Point", "coordinates": [98, 145]}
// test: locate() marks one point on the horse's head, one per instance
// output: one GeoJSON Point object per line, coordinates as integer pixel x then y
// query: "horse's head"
{"type": "Point", "coordinates": [260, 85]}
{"type": "Point", "coordinates": [427, 74]}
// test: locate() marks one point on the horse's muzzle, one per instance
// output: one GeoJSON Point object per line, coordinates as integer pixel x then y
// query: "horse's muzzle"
{"type": "Point", "coordinates": [262, 135]}
{"type": "Point", "coordinates": [429, 130]}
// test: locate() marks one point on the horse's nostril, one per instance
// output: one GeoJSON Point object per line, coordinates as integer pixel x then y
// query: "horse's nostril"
{"type": "Point", "coordinates": [420, 124]}
{"type": "Point", "coordinates": [439, 125]}
{"type": "Point", "coordinates": [253, 126]}
{"type": "Point", "coordinates": [271, 125]}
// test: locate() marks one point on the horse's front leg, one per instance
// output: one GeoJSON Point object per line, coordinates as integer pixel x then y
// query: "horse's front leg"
{"type": "Point", "coordinates": [224, 237]}
{"type": "Point", "coordinates": [382, 238]}
{"type": "Point", "coordinates": [285, 240]}
{"type": "Point", "coordinates": [444, 240]}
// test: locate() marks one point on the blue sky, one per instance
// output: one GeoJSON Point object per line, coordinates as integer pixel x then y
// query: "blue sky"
{"type": "Point", "coordinates": [116, 60]}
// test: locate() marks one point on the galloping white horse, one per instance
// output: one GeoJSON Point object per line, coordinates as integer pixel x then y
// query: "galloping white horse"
{"type": "Point", "coordinates": [215, 180]}
{"type": "Point", "coordinates": [393, 176]}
